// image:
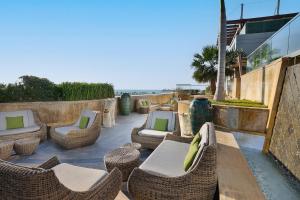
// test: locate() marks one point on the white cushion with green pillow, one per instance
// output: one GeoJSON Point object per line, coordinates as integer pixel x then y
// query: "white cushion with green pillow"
{"type": "Point", "coordinates": [161, 115]}
{"type": "Point", "coordinates": [14, 122]}
{"type": "Point", "coordinates": [84, 121]}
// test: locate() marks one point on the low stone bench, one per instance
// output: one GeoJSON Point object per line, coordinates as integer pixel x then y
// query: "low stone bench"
{"type": "Point", "coordinates": [235, 178]}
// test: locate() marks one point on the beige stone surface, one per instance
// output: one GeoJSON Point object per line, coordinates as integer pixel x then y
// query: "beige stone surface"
{"type": "Point", "coordinates": [285, 141]}
{"type": "Point", "coordinates": [260, 84]}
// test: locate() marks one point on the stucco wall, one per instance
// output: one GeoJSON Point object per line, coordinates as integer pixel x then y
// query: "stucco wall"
{"type": "Point", "coordinates": [285, 141]}
{"type": "Point", "coordinates": [260, 84]}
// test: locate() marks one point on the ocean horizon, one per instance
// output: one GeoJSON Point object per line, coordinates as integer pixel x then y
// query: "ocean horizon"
{"type": "Point", "coordinates": [119, 92]}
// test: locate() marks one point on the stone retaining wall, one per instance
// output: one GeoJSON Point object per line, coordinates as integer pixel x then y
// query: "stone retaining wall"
{"type": "Point", "coordinates": [241, 118]}
{"type": "Point", "coordinates": [154, 99]}
{"type": "Point", "coordinates": [64, 112]}
{"type": "Point", "coordinates": [57, 111]}
{"type": "Point", "coordinates": [235, 118]}
{"type": "Point", "coordinates": [285, 141]}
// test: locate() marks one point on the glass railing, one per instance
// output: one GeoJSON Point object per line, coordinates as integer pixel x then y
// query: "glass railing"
{"type": "Point", "coordinates": [282, 43]}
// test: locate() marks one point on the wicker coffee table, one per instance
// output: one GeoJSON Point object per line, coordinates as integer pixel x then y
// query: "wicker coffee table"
{"type": "Point", "coordinates": [134, 145]}
{"type": "Point", "coordinates": [6, 148]}
{"type": "Point", "coordinates": [26, 146]}
{"type": "Point", "coordinates": [125, 159]}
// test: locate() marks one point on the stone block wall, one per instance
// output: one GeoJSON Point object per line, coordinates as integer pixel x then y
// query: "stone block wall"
{"type": "Point", "coordinates": [285, 141]}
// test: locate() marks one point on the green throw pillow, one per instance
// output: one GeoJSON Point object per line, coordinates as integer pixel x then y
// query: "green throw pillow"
{"type": "Point", "coordinates": [161, 124]}
{"type": "Point", "coordinates": [14, 122]}
{"type": "Point", "coordinates": [196, 139]}
{"type": "Point", "coordinates": [84, 122]}
{"type": "Point", "coordinates": [190, 156]}
{"type": "Point", "coordinates": [146, 103]}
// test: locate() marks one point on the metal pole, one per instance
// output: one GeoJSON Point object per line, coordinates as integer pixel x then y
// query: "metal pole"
{"type": "Point", "coordinates": [278, 7]}
{"type": "Point", "coordinates": [242, 11]}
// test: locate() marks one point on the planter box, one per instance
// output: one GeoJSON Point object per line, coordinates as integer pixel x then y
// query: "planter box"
{"type": "Point", "coordinates": [241, 118]}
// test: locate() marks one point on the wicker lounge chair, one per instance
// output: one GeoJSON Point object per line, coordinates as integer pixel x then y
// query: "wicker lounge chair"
{"type": "Point", "coordinates": [71, 136]}
{"type": "Point", "coordinates": [55, 181]}
{"type": "Point", "coordinates": [161, 176]}
{"type": "Point", "coordinates": [143, 106]}
{"type": "Point", "coordinates": [150, 138]}
{"type": "Point", "coordinates": [32, 126]}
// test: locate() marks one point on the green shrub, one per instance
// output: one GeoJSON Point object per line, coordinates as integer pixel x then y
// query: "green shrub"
{"type": "Point", "coordinates": [31, 88]}
{"type": "Point", "coordinates": [86, 91]}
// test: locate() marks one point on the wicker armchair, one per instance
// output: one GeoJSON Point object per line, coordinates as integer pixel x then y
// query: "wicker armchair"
{"type": "Point", "coordinates": [143, 106]}
{"type": "Point", "coordinates": [71, 136]}
{"type": "Point", "coordinates": [149, 181]}
{"type": "Point", "coordinates": [33, 127]}
{"type": "Point", "coordinates": [43, 182]}
{"type": "Point", "coordinates": [151, 142]}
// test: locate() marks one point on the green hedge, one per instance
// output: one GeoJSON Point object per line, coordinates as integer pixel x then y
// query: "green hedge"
{"type": "Point", "coordinates": [31, 88]}
{"type": "Point", "coordinates": [86, 91]}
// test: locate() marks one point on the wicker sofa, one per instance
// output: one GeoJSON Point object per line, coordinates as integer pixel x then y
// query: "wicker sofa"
{"type": "Point", "coordinates": [71, 136]}
{"type": "Point", "coordinates": [32, 126]}
{"type": "Point", "coordinates": [149, 138]}
{"type": "Point", "coordinates": [161, 176]}
{"type": "Point", "coordinates": [55, 181]}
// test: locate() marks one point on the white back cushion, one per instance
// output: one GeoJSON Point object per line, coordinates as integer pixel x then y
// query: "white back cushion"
{"type": "Point", "coordinates": [169, 115]}
{"type": "Point", "coordinates": [28, 119]}
{"type": "Point", "coordinates": [88, 113]}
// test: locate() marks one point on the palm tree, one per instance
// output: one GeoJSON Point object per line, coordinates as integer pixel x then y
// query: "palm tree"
{"type": "Point", "coordinates": [205, 65]}
{"type": "Point", "coordinates": [220, 90]}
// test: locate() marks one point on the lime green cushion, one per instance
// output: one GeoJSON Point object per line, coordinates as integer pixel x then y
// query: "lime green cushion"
{"type": "Point", "coordinates": [161, 124]}
{"type": "Point", "coordinates": [196, 139]}
{"type": "Point", "coordinates": [14, 122]}
{"type": "Point", "coordinates": [84, 122]}
{"type": "Point", "coordinates": [190, 156]}
{"type": "Point", "coordinates": [144, 103]}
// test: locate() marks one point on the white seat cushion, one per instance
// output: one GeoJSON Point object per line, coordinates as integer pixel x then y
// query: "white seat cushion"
{"type": "Point", "coordinates": [27, 115]}
{"type": "Point", "coordinates": [76, 178]}
{"type": "Point", "coordinates": [20, 130]}
{"type": "Point", "coordinates": [66, 129]}
{"type": "Point", "coordinates": [167, 159]}
{"type": "Point", "coordinates": [153, 133]}
{"type": "Point", "coordinates": [169, 115]}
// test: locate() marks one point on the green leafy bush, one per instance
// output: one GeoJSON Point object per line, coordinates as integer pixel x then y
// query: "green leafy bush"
{"type": "Point", "coordinates": [86, 91]}
{"type": "Point", "coordinates": [31, 88]}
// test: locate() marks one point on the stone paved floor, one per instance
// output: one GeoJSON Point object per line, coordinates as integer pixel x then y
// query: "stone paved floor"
{"type": "Point", "coordinates": [274, 183]}
{"type": "Point", "coordinates": [90, 156]}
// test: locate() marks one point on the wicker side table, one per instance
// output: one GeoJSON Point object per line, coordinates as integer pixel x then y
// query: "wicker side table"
{"type": "Point", "coordinates": [6, 148]}
{"type": "Point", "coordinates": [133, 145]}
{"type": "Point", "coordinates": [125, 159]}
{"type": "Point", "coordinates": [26, 146]}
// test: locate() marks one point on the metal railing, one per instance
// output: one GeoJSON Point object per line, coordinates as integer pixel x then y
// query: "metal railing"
{"type": "Point", "coordinates": [283, 43]}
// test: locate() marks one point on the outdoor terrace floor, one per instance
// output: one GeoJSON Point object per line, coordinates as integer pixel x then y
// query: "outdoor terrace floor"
{"type": "Point", "coordinates": [274, 183]}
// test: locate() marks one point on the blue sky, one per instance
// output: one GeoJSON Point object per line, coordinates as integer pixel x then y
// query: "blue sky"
{"type": "Point", "coordinates": [135, 44]}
